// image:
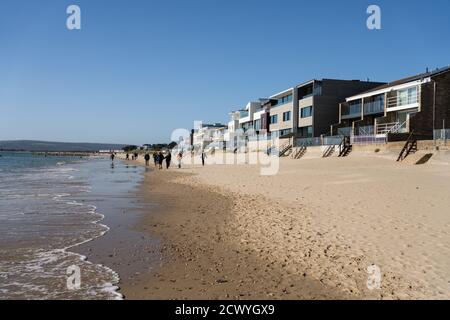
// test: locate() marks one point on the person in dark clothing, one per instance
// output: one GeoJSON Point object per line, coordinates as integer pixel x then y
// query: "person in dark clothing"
{"type": "Point", "coordinates": [127, 157]}
{"type": "Point", "coordinates": [136, 156]}
{"type": "Point", "coordinates": [112, 156]}
{"type": "Point", "coordinates": [155, 159]}
{"type": "Point", "coordinates": [168, 159]}
{"type": "Point", "coordinates": [160, 160]}
{"type": "Point", "coordinates": [203, 158]}
{"type": "Point", "coordinates": [147, 159]}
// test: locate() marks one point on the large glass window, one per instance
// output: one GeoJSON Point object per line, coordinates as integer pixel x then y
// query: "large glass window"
{"type": "Point", "coordinates": [306, 132]}
{"type": "Point", "coordinates": [306, 91]}
{"type": "Point", "coordinates": [374, 104]}
{"type": "Point", "coordinates": [317, 89]}
{"type": "Point", "coordinates": [257, 124]}
{"type": "Point", "coordinates": [284, 100]}
{"type": "Point", "coordinates": [286, 116]}
{"type": "Point", "coordinates": [355, 107]}
{"type": "Point", "coordinates": [407, 96]}
{"type": "Point", "coordinates": [273, 119]}
{"type": "Point", "coordinates": [306, 112]}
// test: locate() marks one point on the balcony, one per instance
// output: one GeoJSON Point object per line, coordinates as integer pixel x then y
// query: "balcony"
{"type": "Point", "coordinates": [365, 130]}
{"type": "Point", "coordinates": [347, 131]}
{"type": "Point", "coordinates": [392, 127]}
{"type": "Point", "coordinates": [404, 99]}
{"type": "Point", "coordinates": [243, 114]}
{"type": "Point", "coordinates": [309, 95]}
{"type": "Point", "coordinates": [374, 107]}
{"type": "Point", "coordinates": [349, 111]}
{"type": "Point", "coordinates": [283, 101]}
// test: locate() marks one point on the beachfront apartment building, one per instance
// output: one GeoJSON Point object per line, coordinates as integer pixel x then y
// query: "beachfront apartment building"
{"type": "Point", "coordinates": [418, 104]}
{"type": "Point", "coordinates": [304, 111]}
{"type": "Point", "coordinates": [309, 109]}
{"type": "Point", "coordinates": [247, 123]}
{"type": "Point", "coordinates": [249, 116]}
{"type": "Point", "coordinates": [208, 135]}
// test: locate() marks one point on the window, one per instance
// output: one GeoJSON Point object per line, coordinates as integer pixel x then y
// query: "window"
{"type": "Point", "coordinates": [305, 92]}
{"type": "Point", "coordinates": [317, 89]}
{"type": "Point", "coordinates": [407, 96]}
{"type": "Point", "coordinates": [285, 132]}
{"type": "Point", "coordinates": [354, 107]}
{"type": "Point", "coordinates": [257, 124]}
{"type": "Point", "coordinates": [274, 119]}
{"type": "Point", "coordinates": [284, 100]}
{"type": "Point", "coordinates": [286, 116]}
{"type": "Point", "coordinates": [306, 112]}
{"type": "Point", "coordinates": [306, 132]}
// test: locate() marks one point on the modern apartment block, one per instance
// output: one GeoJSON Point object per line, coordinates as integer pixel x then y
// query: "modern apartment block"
{"type": "Point", "coordinates": [207, 134]}
{"type": "Point", "coordinates": [247, 121]}
{"type": "Point", "coordinates": [416, 104]}
{"type": "Point", "coordinates": [309, 109]}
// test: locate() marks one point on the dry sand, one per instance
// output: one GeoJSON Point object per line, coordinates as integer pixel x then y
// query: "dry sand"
{"type": "Point", "coordinates": [311, 231]}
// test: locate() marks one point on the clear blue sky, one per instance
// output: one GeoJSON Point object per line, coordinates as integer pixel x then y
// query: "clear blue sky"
{"type": "Point", "coordinates": [139, 69]}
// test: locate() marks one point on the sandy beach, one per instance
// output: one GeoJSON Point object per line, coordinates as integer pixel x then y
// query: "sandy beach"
{"type": "Point", "coordinates": [309, 232]}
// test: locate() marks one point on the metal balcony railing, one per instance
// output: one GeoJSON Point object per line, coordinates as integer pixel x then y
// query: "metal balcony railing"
{"type": "Point", "coordinates": [403, 100]}
{"type": "Point", "coordinates": [392, 127]}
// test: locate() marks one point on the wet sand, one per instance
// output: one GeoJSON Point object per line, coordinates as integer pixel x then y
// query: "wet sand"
{"type": "Point", "coordinates": [124, 249]}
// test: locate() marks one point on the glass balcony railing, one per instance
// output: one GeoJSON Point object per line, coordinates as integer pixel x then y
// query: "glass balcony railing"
{"type": "Point", "coordinates": [351, 110]}
{"type": "Point", "coordinates": [374, 107]}
{"type": "Point", "coordinates": [307, 96]}
{"type": "Point", "coordinates": [243, 114]}
{"type": "Point", "coordinates": [283, 101]}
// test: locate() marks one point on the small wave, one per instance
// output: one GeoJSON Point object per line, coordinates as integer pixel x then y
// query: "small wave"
{"type": "Point", "coordinates": [110, 288]}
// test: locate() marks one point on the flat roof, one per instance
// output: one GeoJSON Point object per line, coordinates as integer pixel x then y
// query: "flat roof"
{"type": "Point", "coordinates": [282, 93]}
{"type": "Point", "coordinates": [398, 83]}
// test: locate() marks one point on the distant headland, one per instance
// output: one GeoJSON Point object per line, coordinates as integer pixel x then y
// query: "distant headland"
{"type": "Point", "coordinates": [48, 146]}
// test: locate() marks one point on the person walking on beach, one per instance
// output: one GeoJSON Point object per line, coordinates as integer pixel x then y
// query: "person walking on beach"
{"type": "Point", "coordinates": [179, 158]}
{"type": "Point", "coordinates": [203, 158]}
{"type": "Point", "coordinates": [112, 157]}
{"type": "Point", "coordinates": [155, 159]}
{"type": "Point", "coordinates": [160, 160]}
{"type": "Point", "coordinates": [168, 159]}
{"type": "Point", "coordinates": [127, 157]}
{"type": "Point", "coordinates": [136, 156]}
{"type": "Point", "coordinates": [147, 159]}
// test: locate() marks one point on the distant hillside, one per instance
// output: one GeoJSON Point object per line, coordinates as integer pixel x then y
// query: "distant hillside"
{"type": "Point", "coordinates": [30, 145]}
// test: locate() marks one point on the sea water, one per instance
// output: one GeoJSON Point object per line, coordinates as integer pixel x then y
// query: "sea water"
{"type": "Point", "coordinates": [43, 216]}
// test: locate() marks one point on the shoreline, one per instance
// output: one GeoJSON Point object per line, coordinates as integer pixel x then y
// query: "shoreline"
{"type": "Point", "coordinates": [122, 249]}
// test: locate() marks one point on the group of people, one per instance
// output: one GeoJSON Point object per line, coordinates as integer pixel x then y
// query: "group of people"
{"type": "Point", "coordinates": [134, 156]}
{"type": "Point", "coordinates": [158, 159]}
